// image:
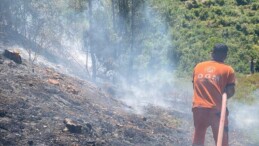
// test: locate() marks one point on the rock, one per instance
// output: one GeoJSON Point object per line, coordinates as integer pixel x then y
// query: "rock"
{"type": "Point", "coordinates": [56, 76]}
{"type": "Point", "coordinates": [53, 81]}
{"type": "Point", "coordinates": [30, 142]}
{"type": "Point", "coordinates": [65, 129]}
{"type": "Point", "coordinates": [5, 123]}
{"type": "Point", "coordinates": [72, 126]}
{"type": "Point", "coordinates": [2, 113]}
{"type": "Point", "coordinates": [48, 70]}
{"type": "Point", "coordinates": [13, 56]}
{"type": "Point", "coordinates": [72, 89]}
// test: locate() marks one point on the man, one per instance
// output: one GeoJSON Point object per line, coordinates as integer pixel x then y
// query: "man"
{"type": "Point", "coordinates": [210, 80]}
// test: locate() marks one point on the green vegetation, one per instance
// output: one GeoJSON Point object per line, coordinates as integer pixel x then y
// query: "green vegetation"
{"type": "Point", "coordinates": [195, 25]}
{"type": "Point", "coordinates": [134, 35]}
{"type": "Point", "coordinates": [136, 38]}
{"type": "Point", "coordinates": [246, 84]}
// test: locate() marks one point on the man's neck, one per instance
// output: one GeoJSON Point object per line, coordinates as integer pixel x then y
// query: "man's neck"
{"type": "Point", "coordinates": [218, 60]}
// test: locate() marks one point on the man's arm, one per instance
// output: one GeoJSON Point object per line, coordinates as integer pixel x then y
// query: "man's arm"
{"type": "Point", "coordinates": [230, 90]}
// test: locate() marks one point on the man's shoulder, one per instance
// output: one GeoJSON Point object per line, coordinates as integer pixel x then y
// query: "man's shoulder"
{"type": "Point", "coordinates": [230, 68]}
{"type": "Point", "coordinates": [215, 65]}
{"type": "Point", "coordinates": [226, 67]}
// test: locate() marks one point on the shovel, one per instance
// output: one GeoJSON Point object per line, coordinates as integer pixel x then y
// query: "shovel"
{"type": "Point", "coordinates": [222, 119]}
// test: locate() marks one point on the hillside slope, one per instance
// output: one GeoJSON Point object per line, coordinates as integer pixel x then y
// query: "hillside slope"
{"type": "Point", "coordinates": [51, 108]}
{"type": "Point", "coordinates": [35, 108]}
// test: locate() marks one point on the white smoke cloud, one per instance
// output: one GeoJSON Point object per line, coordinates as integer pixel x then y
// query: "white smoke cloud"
{"type": "Point", "coordinates": [160, 90]}
{"type": "Point", "coordinates": [245, 118]}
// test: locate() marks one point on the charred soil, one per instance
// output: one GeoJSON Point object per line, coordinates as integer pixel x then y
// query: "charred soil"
{"type": "Point", "coordinates": [50, 108]}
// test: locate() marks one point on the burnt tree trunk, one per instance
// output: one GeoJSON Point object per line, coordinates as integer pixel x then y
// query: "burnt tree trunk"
{"type": "Point", "coordinates": [91, 48]}
{"type": "Point", "coordinates": [130, 70]}
{"type": "Point", "coordinates": [252, 69]}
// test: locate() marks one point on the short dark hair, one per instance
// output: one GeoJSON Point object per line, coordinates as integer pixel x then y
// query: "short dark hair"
{"type": "Point", "coordinates": [220, 48]}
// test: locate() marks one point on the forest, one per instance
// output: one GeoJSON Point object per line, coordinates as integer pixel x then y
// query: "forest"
{"type": "Point", "coordinates": [122, 37]}
{"type": "Point", "coordinates": [197, 25]}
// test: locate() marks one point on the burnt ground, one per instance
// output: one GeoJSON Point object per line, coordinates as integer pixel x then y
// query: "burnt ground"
{"type": "Point", "coordinates": [34, 106]}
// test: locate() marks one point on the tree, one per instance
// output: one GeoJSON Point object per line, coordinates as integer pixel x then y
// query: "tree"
{"type": "Point", "coordinates": [243, 2]}
{"type": "Point", "coordinates": [92, 50]}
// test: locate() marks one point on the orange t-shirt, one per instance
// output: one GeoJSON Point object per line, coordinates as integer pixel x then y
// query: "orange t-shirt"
{"type": "Point", "coordinates": [209, 81]}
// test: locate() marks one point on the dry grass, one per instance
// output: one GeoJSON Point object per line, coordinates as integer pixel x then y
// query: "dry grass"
{"type": "Point", "coordinates": [246, 85]}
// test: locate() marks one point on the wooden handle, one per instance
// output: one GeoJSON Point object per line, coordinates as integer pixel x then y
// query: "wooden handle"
{"type": "Point", "coordinates": [222, 119]}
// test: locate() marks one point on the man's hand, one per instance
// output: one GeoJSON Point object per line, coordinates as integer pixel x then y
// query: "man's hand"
{"type": "Point", "coordinates": [230, 90]}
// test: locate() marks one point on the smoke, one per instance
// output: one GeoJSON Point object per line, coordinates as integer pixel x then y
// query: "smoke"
{"type": "Point", "coordinates": [159, 90]}
{"type": "Point", "coordinates": [245, 117]}
{"type": "Point", "coordinates": [152, 81]}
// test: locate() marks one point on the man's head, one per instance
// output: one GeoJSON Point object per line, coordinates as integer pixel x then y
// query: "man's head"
{"type": "Point", "coordinates": [219, 52]}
